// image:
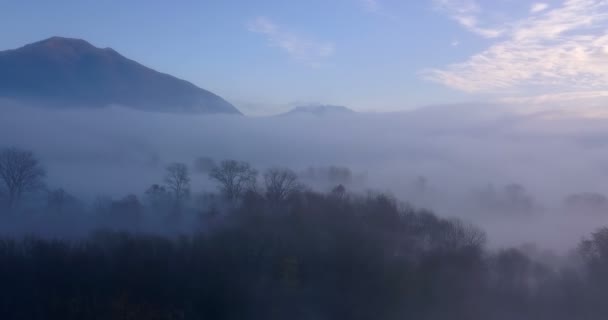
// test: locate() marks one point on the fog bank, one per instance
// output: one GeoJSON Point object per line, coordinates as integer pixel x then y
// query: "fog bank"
{"type": "Point", "coordinates": [507, 171]}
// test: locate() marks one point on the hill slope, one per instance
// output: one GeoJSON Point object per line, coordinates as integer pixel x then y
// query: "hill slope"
{"type": "Point", "coordinates": [72, 72]}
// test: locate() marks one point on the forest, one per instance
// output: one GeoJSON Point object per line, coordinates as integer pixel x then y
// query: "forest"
{"type": "Point", "coordinates": [266, 246]}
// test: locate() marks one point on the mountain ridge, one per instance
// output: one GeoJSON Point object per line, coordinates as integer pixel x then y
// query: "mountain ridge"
{"type": "Point", "coordinates": [318, 110]}
{"type": "Point", "coordinates": [72, 72]}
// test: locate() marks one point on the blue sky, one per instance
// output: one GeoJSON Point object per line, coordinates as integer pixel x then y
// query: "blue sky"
{"type": "Point", "coordinates": [370, 55]}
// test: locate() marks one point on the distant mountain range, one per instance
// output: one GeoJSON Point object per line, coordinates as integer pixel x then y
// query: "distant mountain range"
{"type": "Point", "coordinates": [72, 72]}
{"type": "Point", "coordinates": [319, 110]}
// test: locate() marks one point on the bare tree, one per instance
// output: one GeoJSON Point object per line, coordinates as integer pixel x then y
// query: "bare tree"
{"type": "Point", "coordinates": [459, 234]}
{"type": "Point", "coordinates": [234, 178]}
{"type": "Point", "coordinates": [280, 183]}
{"type": "Point", "coordinates": [177, 180]}
{"type": "Point", "coordinates": [20, 173]}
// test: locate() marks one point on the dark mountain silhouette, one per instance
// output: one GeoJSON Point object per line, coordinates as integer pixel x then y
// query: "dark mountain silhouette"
{"type": "Point", "coordinates": [72, 72]}
{"type": "Point", "coordinates": [319, 110]}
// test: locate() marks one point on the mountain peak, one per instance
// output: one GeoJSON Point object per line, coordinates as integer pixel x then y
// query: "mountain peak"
{"type": "Point", "coordinates": [73, 72]}
{"type": "Point", "coordinates": [60, 43]}
{"type": "Point", "coordinates": [320, 110]}
{"type": "Point", "coordinates": [56, 40]}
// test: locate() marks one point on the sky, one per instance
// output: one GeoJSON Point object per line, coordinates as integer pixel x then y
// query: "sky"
{"type": "Point", "coordinates": [370, 55]}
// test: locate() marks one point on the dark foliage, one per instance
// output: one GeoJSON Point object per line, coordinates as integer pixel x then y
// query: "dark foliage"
{"type": "Point", "coordinates": [317, 256]}
{"type": "Point", "coordinates": [283, 253]}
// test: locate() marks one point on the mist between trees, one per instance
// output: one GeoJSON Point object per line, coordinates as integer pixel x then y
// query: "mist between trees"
{"type": "Point", "coordinates": [266, 246]}
{"type": "Point", "coordinates": [531, 177]}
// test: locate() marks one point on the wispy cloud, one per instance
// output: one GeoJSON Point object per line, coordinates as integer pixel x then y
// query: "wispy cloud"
{"type": "Point", "coordinates": [300, 48]}
{"type": "Point", "coordinates": [555, 97]}
{"type": "Point", "coordinates": [538, 7]}
{"type": "Point", "coordinates": [565, 47]}
{"type": "Point", "coordinates": [466, 13]}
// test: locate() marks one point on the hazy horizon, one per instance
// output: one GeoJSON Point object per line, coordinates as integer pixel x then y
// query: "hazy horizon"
{"type": "Point", "coordinates": [369, 55]}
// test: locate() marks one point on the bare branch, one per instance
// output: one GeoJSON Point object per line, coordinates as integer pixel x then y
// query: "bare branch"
{"type": "Point", "coordinates": [20, 173]}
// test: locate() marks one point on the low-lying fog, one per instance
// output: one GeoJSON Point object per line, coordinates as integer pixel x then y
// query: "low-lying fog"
{"type": "Point", "coordinates": [522, 177]}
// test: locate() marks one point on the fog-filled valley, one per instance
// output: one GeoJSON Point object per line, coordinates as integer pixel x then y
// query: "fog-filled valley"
{"type": "Point", "coordinates": [446, 212]}
{"type": "Point", "coordinates": [305, 160]}
{"type": "Point", "coordinates": [524, 177]}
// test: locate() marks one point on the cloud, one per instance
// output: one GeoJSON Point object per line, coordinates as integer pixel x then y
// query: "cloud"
{"type": "Point", "coordinates": [263, 25]}
{"type": "Point", "coordinates": [302, 49]}
{"type": "Point", "coordinates": [538, 7]}
{"type": "Point", "coordinates": [466, 13]}
{"type": "Point", "coordinates": [562, 48]}
{"type": "Point", "coordinates": [551, 98]}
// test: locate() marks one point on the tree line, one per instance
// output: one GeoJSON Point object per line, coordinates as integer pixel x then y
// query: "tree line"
{"type": "Point", "coordinates": [279, 250]}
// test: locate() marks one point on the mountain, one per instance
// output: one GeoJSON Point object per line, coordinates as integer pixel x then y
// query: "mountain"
{"type": "Point", "coordinates": [319, 110]}
{"type": "Point", "coordinates": [72, 72]}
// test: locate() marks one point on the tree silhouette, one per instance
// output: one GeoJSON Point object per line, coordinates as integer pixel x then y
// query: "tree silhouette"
{"type": "Point", "coordinates": [20, 172]}
{"type": "Point", "coordinates": [280, 183]}
{"type": "Point", "coordinates": [234, 178]}
{"type": "Point", "coordinates": [177, 180]}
